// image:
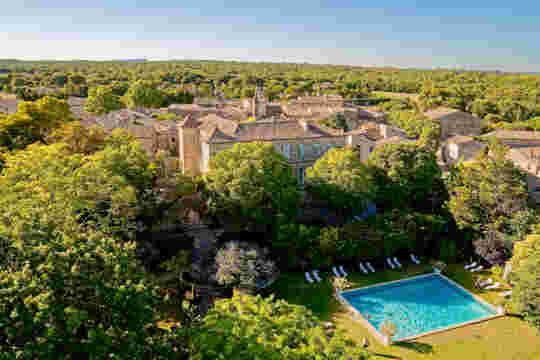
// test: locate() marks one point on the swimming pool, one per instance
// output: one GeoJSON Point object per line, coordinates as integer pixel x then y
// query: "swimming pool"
{"type": "Point", "coordinates": [417, 306]}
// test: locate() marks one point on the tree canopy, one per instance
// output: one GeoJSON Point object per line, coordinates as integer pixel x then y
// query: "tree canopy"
{"type": "Point", "coordinates": [254, 179]}
{"type": "Point", "coordinates": [101, 100]}
{"type": "Point", "coordinates": [488, 190]}
{"type": "Point", "coordinates": [69, 277]}
{"type": "Point", "coordinates": [247, 327]}
{"type": "Point", "coordinates": [341, 178]}
{"type": "Point", "coordinates": [33, 122]}
{"type": "Point", "coordinates": [144, 94]}
{"type": "Point", "coordinates": [526, 276]}
{"type": "Point", "coordinates": [408, 175]}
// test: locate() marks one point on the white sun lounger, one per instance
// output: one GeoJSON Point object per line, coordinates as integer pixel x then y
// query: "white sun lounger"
{"type": "Point", "coordinates": [389, 262]}
{"type": "Point", "coordinates": [308, 278]}
{"type": "Point", "coordinates": [368, 264]}
{"type": "Point", "coordinates": [470, 266]}
{"type": "Point", "coordinates": [316, 275]}
{"type": "Point", "coordinates": [343, 271]}
{"type": "Point", "coordinates": [506, 293]}
{"type": "Point", "coordinates": [363, 269]}
{"type": "Point", "coordinates": [396, 261]}
{"type": "Point", "coordinates": [482, 284]}
{"type": "Point", "coordinates": [494, 286]}
{"type": "Point", "coordinates": [476, 269]}
{"type": "Point", "coordinates": [336, 272]}
{"type": "Point", "coordinates": [415, 259]}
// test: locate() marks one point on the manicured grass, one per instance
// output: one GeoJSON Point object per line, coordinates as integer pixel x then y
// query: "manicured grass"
{"type": "Point", "coordinates": [505, 338]}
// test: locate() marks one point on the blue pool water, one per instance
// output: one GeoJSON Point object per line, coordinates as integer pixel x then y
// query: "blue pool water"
{"type": "Point", "coordinates": [417, 305]}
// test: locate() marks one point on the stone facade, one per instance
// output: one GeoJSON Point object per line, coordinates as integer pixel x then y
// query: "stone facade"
{"type": "Point", "coordinates": [528, 160]}
{"type": "Point", "coordinates": [455, 122]}
{"type": "Point", "coordinates": [301, 142]}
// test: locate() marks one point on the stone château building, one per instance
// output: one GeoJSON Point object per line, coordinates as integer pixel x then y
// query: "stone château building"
{"type": "Point", "coordinates": [301, 142]}
{"type": "Point", "coordinates": [454, 122]}
{"type": "Point", "coordinates": [292, 129]}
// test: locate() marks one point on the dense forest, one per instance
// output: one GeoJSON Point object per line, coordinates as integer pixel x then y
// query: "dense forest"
{"type": "Point", "coordinates": [505, 100]}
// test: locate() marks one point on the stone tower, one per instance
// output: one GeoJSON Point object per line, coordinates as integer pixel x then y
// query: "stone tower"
{"type": "Point", "coordinates": [189, 146]}
{"type": "Point", "coordinates": [259, 102]}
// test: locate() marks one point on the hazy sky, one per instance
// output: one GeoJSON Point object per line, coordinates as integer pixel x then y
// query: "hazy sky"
{"type": "Point", "coordinates": [476, 34]}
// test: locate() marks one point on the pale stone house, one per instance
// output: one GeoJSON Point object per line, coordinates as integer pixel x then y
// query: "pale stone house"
{"type": "Point", "coordinates": [528, 160]}
{"type": "Point", "coordinates": [455, 122]}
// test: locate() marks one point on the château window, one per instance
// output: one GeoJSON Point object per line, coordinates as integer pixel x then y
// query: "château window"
{"type": "Point", "coordinates": [301, 175]}
{"type": "Point", "coordinates": [287, 150]}
{"type": "Point", "coordinates": [301, 151]}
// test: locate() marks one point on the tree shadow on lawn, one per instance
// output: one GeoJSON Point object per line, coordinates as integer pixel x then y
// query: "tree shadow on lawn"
{"type": "Point", "coordinates": [421, 348]}
{"type": "Point", "coordinates": [385, 356]}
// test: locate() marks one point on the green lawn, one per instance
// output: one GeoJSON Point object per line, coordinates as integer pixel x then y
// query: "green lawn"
{"type": "Point", "coordinates": [503, 338]}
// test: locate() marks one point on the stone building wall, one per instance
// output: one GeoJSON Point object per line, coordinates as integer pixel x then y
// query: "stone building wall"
{"type": "Point", "coordinates": [528, 164]}
{"type": "Point", "coordinates": [303, 153]}
{"type": "Point", "coordinates": [189, 150]}
{"type": "Point", "coordinates": [460, 123]}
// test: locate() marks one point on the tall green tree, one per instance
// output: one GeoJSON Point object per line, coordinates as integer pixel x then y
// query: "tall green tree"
{"type": "Point", "coordinates": [70, 284]}
{"type": "Point", "coordinates": [526, 276]}
{"type": "Point", "coordinates": [33, 122]}
{"type": "Point", "coordinates": [247, 327]}
{"type": "Point", "coordinates": [254, 179]}
{"type": "Point", "coordinates": [341, 178]}
{"type": "Point", "coordinates": [102, 100]}
{"type": "Point", "coordinates": [146, 94]}
{"type": "Point", "coordinates": [407, 175]}
{"type": "Point", "coordinates": [491, 190]}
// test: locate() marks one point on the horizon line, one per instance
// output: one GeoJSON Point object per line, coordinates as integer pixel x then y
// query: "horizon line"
{"type": "Point", "coordinates": [399, 67]}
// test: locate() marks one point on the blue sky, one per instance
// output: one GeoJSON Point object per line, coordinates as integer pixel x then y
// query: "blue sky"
{"type": "Point", "coordinates": [474, 34]}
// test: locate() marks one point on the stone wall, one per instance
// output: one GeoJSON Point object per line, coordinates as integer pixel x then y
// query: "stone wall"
{"type": "Point", "coordinates": [460, 123]}
{"type": "Point", "coordinates": [303, 153]}
{"type": "Point", "coordinates": [189, 150]}
{"type": "Point", "coordinates": [530, 166]}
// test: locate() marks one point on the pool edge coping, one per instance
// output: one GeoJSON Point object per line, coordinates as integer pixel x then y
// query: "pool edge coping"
{"type": "Point", "coordinates": [382, 338]}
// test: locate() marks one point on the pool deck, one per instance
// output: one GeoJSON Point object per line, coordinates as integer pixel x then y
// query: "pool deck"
{"type": "Point", "coordinates": [356, 315]}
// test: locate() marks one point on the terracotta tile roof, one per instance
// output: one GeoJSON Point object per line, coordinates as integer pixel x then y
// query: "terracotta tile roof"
{"type": "Point", "coordinates": [124, 118]}
{"type": "Point", "coordinates": [269, 130]}
{"type": "Point", "coordinates": [460, 139]}
{"type": "Point", "coordinates": [529, 153]}
{"type": "Point", "coordinates": [226, 126]}
{"type": "Point", "coordinates": [9, 106]}
{"type": "Point", "coordinates": [190, 122]}
{"type": "Point", "coordinates": [370, 130]}
{"type": "Point", "coordinates": [185, 106]}
{"type": "Point", "coordinates": [440, 112]}
{"type": "Point", "coordinates": [393, 140]}
{"type": "Point", "coordinates": [518, 135]}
